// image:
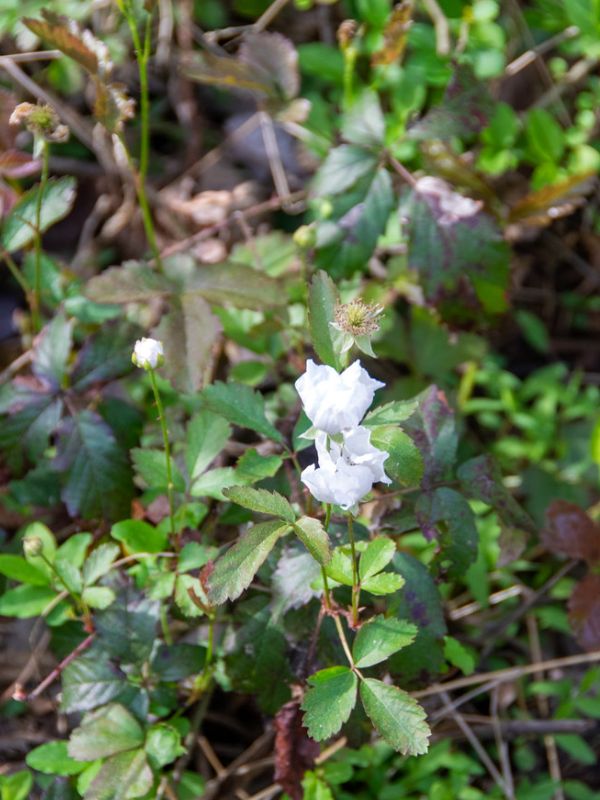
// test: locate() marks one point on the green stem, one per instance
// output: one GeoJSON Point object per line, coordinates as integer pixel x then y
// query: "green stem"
{"type": "Point", "coordinates": [18, 276]}
{"type": "Point", "coordinates": [344, 641]}
{"type": "Point", "coordinates": [323, 571]}
{"type": "Point", "coordinates": [165, 435]}
{"type": "Point", "coordinates": [350, 56]}
{"type": "Point", "coordinates": [355, 580]}
{"type": "Point", "coordinates": [37, 273]}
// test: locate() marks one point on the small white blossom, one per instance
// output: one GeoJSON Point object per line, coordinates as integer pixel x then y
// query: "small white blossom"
{"type": "Point", "coordinates": [335, 401]}
{"type": "Point", "coordinates": [346, 472]}
{"type": "Point", "coordinates": [148, 353]}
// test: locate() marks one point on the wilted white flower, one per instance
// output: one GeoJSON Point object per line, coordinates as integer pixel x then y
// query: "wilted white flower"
{"type": "Point", "coordinates": [453, 206]}
{"type": "Point", "coordinates": [346, 471]}
{"type": "Point", "coordinates": [335, 401]}
{"type": "Point", "coordinates": [148, 353]}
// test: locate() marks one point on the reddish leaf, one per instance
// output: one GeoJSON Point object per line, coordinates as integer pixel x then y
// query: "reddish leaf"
{"type": "Point", "coordinates": [15, 164]}
{"type": "Point", "coordinates": [294, 751]}
{"type": "Point", "coordinates": [584, 612]}
{"type": "Point", "coordinates": [552, 202]}
{"type": "Point", "coordinates": [395, 34]}
{"type": "Point", "coordinates": [56, 32]}
{"type": "Point", "coordinates": [569, 531]}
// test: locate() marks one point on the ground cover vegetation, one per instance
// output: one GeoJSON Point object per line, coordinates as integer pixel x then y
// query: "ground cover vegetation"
{"type": "Point", "coordinates": [299, 428]}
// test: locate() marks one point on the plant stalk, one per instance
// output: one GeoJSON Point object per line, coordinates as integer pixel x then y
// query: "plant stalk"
{"type": "Point", "coordinates": [355, 579]}
{"type": "Point", "coordinates": [165, 435]}
{"type": "Point", "coordinates": [37, 269]}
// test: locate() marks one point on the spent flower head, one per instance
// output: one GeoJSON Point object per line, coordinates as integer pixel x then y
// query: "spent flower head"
{"type": "Point", "coordinates": [32, 546]}
{"type": "Point", "coordinates": [41, 120]}
{"type": "Point", "coordinates": [148, 354]}
{"type": "Point", "coordinates": [357, 321]}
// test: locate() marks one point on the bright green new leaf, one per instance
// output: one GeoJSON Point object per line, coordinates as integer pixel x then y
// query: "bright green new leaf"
{"type": "Point", "coordinates": [329, 701]}
{"type": "Point", "coordinates": [26, 601]}
{"type": "Point", "coordinates": [52, 758]}
{"type": "Point", "coordinates": [214, 482]}
{"type": "Point", "coordinates": [390, 413]}
{"type": "Point", "coordinates": [405, 462]}
{"type": "Point", "coordinates": [99, 562]}
{"type": "Point", "coordinates": [384, 583]}
{"type": "Point", "coordinates": [252, 466]}
{"type": "Point", "coordinates": [16, 786]}
{"type": "Point", "coordinates": [314, 537]}
{"type": "Point", "coordinates": [377, 556]}
{"type": "Point", "coordinates": [458, 655]}
{"type": "Point", "coordinates": [262, 501]}
{"type": "Point", "coordinates": [163, 744]}
{"type": "Point", "coordinates": [38, 531]}
{"type": "Point", "coordinates": [18, 568]}
{"type": "Point", "coordinates": [340, 567]}
{"type": "Point", "coordinates": [397, 717]}
{"type": "Point", "coordinates": [235, 570]}
{"type": "Point", "coordinates": [151, 467]}
{"type": "Point", "coordinates": [18, 228]}
{"type": "Point", "coordinates": [98, 596]}
{"type": "Point", "coordinates": [138, 536]}
{"type": "Point", "coordinates": [207, 434]}
{"type": "Point", "coordinates": [109, 730]}
{"type": "Point", "coordinates": [74, 550]}
{"type": "Point", "coordinates": [323, 298]}
{"type": "Point", "coordinates": [379, 638]}
{"type": "Point", "coordinates": [241, 405]}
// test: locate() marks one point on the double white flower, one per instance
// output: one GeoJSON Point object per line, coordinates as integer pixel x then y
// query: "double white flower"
{"type": "Point", "coordinates": [348, 463]}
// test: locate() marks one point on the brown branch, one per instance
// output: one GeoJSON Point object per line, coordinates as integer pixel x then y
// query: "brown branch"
{"type": "Point", "coordinates": [58, 669]}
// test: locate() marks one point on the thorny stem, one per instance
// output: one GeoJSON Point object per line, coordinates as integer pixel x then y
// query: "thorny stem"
{"type": "Point", "coordinates": [37, 273]}
{"type": "Point", "coordinates": [165, 435]}
{"type": "Point", "coordinates": [355, 581]}
{"type": "Point", "coordinates": [142, 53]}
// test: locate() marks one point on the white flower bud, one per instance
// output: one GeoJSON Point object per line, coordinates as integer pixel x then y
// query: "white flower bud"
{"type": "Point", "coordinates": [148, 354]}
{"type": "Point", "coordinates": [334, 401]}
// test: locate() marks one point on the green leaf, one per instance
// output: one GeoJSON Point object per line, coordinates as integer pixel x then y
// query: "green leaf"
{"type": "Point", "coordinates": [545, 137]}
{"type": "Point", "coordinates": [177, 661]}
{"type": "Point", "coordinates": [577, 748]}
{"type": "Point", "coordinates": [183, 585]}
{"type": "Point", "coordinates": [262, 501]}
{"type": "Point", "coordinates": [98, 596]}
{"type": "Point", "coordinates": [151, 466]}
{"type": "Point", "coordinates": [379, 638]}
{"type": "Point", "coordinates": [138, 536]}
{"type": "Point", "coordinates": [16, 786]}
{"type": "Point", "coordinates": [314, 537]}
{"type": "Point", "coordinates": [314, 788]}
{"type": "Point", "coordinates": [52, 349]}
{"type": "Point", "coordinates": [126, 630]}
{"type": "Point", "coordinates": [214, 482]}
{"type": "Point", "coordinates": [90, 681]}
{"type": "Point", "coordinates": [188, 332]}
{"type": "Point", "coordinates": [206, 436]}
{"type": "Point", "coordinates": [323, 298]}
{"type": "Point", "coordinates": [163, 745]}
{"type": "Point", "coordinates": [390, 413]}
{"type": "Point", "coordinates": [384, 583]}
{"type": "Point", "coordinates": [242, 406]}
{"type": "Point", "coordinates": [52, 758]}
{"type": "Point", "coordinates": [123, 777]}
{"type": "Point", "coordinates": [18, 568]}
{"type": "Point", "coordinates": [235, 570]}
{"type": "Point", "coordinates": [252, 467]}
{"type": "Point", "coordinates": [99, 563]}
{"type": "Point", "coordinates": [340, 567]}
{"type": "Point", "coordinates": [457, 535]}
{"type": "Point", "coordinates": [397, 717]}
{"type": "Point", "coordinates": [377, 556]}
{"type": "Point", "coordinates": [98, 477]}
{"type": "Point", "coordinates": [342, 168]}
{"type": "Point", "coordinates": [18, 228]}
{"type": "Point", "coordinates": [238, 285]}
{"type": "Point", "coordinates": [329, 701]}
{"type": "Point", "coordinates": [364, 123]}
{"type": "Point", "coordinates": [33, 417]}
{"type": "Point", "coordinates": [69, 575]}
{"type": "Point", "coordinates": [26, 601]}
{"type": "Point", "coordinates": [104, 357]}
{"type": "Point", "coordinates": [458, 655]}
{"type": "Point", "coordinates": [134, 282]}
{"type": "Point", "coordinates": [105, 732]}
{"type": "Point", "coordinates": [42, 562]}
{"type": "Point", "coordinates": [74, 550]}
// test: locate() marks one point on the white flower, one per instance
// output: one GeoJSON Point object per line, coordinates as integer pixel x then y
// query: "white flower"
{"type": "Point", "coordinates": [346, 472]}
{"type": "Point", "coordinates": [334, 401]}
{"type": "Point", "coordinates": [148, 353]}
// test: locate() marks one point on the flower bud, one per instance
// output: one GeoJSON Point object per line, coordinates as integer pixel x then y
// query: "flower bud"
{"type": "Point", "coordinates": [346, 33]}
{"type": "Point", "coordinates": [305, 237]}
{"type": "Point", "coordinates": [32, 546]}
{"type": "Point", "coordinates": [148, 354]}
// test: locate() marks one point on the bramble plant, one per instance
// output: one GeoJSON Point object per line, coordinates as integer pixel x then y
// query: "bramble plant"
{"type": "Point", "coordinates": [277, 480]}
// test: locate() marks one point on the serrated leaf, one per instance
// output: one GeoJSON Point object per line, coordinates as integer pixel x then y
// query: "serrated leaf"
{"type": "Point", "coordinates": [379, 638]}
{"type": "Point", "coordinates": [261, 500]}
{"type": "Point", "coordinates": [177, 661]}
{"type": "Point", "coordinates": [242, 406]}
{"type": "Point", "coordinates": [90, 681]}
{"type": "Point", "coordinates": [238, 285]}
{"type": "Point", "coordinates": [98, 477]}
{"type": "Point", "coordinates": [133, 282]}
{"type": "Point", "coordinates": [51, 350]}
{"type": "Point", "coordinates": [26, 601]}
{"type": "Point", "coordinates": [391, 413]}
{"type": "Point", "coordinates": [98, 596]}
{"type": "Point", "coordinates": [234, 571]}
{"type": "Point", "coordinates": [74, 550]}
{"type": "Point", "coordinates": [139, 536]}
{"type": "Point", "coordinates": [458, 535]}
{"type": "Point", "coordinates": [19, 569]}
{"type": "Point", "coordinates": [343, 167]}
{"type": "Point", "coordinates": [433, 430]}
{"type": "Point", "coordinates": [54, 31]}
{"type": "Point", "coordinates": [384, 583]}
{"type": "Point", "coordinates": [69, 576]}
{"type": "Point", "coordinates": [188, 332]}
{"type": "Point", "coordinates": [397, 717]}
{"type": "Point", "coordinates": [207, 434]}
{"type": "Point", "coordinates": [52, 758]}
{"type": "Point", "coordinates": [126, 630]}
{"type": "Point", "coordinates": [458, 655]}
{"type": "Point", "coordinates": [122, 777]}
{"type": "Point", "coordinates": [151, 466]}
{"type": "Point", "coordinates": [323, 299]}
{"type": "Point", "coordinates": [214, 482]}
{"type": "Point", "coordinates": [252, 467]}
{"type": "Point", "coordinates": [105, 732]}
{"type": "Point", "coordinates": [340, 567]}
{"type": "Point", "coordinates": [33, 414]}
{"type": "Point", "coordinates": [364, 123]}
{"type": "Point", "coordinates": [18, 228]}
{"type": "Point", "coordinates": [103, 358]}
{"type": "Point", "coordinates": [329, 701]}
{"type": "Point", "coordinates": [314, 537]}
{"type": "Point", "coordinates": [377, 556]}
